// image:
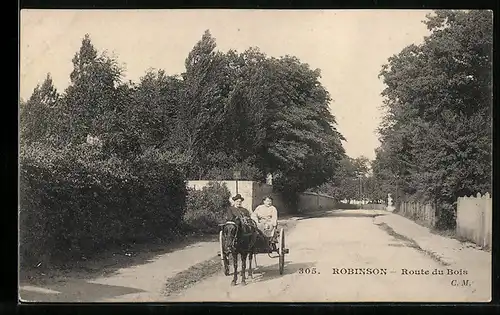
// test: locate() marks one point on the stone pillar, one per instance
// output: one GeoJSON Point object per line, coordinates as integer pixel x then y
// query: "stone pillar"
{"type": "Point", "coordinates": [390, 207]}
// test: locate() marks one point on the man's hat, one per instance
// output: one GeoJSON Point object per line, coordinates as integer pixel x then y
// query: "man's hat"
{"type": "Point", "coordinates": [238, 196]}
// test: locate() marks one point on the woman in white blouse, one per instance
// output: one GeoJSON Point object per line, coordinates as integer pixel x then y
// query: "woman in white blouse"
{"type": "Point", "coordinates": [266, 217]}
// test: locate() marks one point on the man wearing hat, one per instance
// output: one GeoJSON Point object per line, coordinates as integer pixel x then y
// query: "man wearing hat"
{"type": "Point", "coordinates": [237, 211]}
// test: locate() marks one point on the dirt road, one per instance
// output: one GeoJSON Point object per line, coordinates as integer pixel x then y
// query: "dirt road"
{"type": "Point", "coordinates": [322, 249]}
{"type": "Point", "coordinates": [341, 256]}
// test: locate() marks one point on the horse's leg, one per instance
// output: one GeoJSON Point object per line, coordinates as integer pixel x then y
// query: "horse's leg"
{"type": "Point", "coordinates": [243, 268]}
{"type": "Point", "coordinates": [235, 265]}
{"type": "Point", "coordinates": [226, 263]}
{"type": "Point", "coordinates": [250, 272]}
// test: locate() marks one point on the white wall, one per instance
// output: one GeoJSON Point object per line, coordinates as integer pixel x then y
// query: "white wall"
{"type": "Point", "coordinates": [243, 187]}
{"type": "Point", "coordinates": [314, 202]}
{"type": "Point", "coordinates": [253, 192]}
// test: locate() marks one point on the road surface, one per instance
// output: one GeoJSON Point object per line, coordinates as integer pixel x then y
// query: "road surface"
{"type": "Point", "coordinates": [327, 259]}
{"type": "Point", "coordinates": [320, 267]}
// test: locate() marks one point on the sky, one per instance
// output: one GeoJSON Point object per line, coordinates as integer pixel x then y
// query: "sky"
{"type": "Point", "coordinates": [349, 46]}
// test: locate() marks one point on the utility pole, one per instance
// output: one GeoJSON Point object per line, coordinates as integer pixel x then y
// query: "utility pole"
{"type": "Point", "coordinates": [359, 188]}
{"type": "Point", "coordinates": [396, 198]}
{"type": "Point", "coordinates": [236, 176]}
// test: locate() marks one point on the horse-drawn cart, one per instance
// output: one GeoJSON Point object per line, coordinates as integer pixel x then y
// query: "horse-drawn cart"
{"type": "Point", "coordinates": [274, 245]}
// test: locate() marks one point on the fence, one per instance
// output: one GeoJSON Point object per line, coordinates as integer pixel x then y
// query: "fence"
{"type": "Point", "coordinates": [374, 206]}
{"type": "Point", "coordinates": [424, 214]}
{"type": "Point", "coordinates": [474, 219]}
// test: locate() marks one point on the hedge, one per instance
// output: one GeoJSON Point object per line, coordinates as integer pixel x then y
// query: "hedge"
{"type": "Point", "coordinates": [72, 203]}
{"type": "Point", "coordinates": [205, 208]}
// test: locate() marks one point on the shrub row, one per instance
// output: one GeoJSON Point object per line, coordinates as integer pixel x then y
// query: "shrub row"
{"type": "Point", "coordinates": [73, 204]}
{"type": "Point", "coordinates": [205, 208]}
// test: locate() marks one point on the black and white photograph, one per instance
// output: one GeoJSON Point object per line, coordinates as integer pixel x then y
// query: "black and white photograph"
{"type": "Point", "coordinates": [223, 155]}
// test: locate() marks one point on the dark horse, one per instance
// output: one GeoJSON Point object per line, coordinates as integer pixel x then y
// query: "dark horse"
{"type": "Point", "coordinates": [240, 236]}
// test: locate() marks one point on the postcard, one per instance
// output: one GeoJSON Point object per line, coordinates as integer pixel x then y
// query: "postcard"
{"type": "Point", "coordinates": [211, 155]}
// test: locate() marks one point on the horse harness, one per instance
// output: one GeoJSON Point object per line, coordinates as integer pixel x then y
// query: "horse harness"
{"type": "Point", "coordinates": [233, 241]}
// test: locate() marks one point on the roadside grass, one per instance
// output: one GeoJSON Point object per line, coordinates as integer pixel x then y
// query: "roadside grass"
{"type": "Point", "coordinates": [194, 274]}
{"type": "Point", "coordinates": [449, 233]}
{"type": "Point", "coordinates": [411, 243]}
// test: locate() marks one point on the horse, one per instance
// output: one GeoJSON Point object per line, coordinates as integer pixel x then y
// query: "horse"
{"type": "Point", "coordinates": [239, 238]}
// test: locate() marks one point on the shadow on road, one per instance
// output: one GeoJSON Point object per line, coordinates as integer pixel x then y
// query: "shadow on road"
{"type": "Point", "coordinates": [76, 291]}
{"type": "Point", "coordinates": [107, 262]}
{"type": "Point", "coordinates": [272, 271]}
{"type": "Point", "coordinates": [344, 213]}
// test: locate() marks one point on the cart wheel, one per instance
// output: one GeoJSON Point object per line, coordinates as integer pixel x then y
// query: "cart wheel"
{"type": "Point", "coordinates": [225, 268]}
{"type": "Point", "coordinates": [281, 251]}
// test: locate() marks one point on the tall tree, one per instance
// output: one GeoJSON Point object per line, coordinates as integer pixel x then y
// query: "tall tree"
{"type": "Point", "coordinates": [157, 100]}
{"type": "Point", "coordinates": [302, 145]}
{"type": "Point", "coordinates": [436, 136]}
{"type": "Point", "coordinates": [97, 103]}
{"type": "Point", "coordinates": [38, 117]}
{"type": "Point", "coordinates": [92, 92]}
{"type": "Point", "coordinates": [206, 87]}
{"type": "Point", "coordinates": [348, 180]}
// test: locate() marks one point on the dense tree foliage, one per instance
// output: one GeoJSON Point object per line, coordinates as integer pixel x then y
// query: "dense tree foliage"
{"type": "Point", "coordinates": [258, 114]}
{"type": "Point", "coordinates": [352, 181]}
{"type": "Point", "coordinates": [37, 115]}
{"type": "Point", "coordinates": [122, 144]}
{"type": "Point", "coordinates": [436, 134]}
